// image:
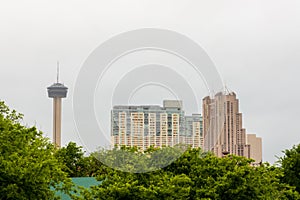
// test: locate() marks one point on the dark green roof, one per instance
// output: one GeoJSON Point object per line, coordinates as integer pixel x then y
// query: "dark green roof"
{"type": "Point", "coordinates": [79, 181]}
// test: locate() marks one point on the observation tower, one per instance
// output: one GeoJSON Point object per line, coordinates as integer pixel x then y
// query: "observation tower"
{"type": "Point", "coordinates": [57, 91]}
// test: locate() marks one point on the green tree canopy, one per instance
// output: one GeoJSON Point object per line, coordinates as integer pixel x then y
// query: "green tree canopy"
{"type": "Point", "coordinates": [290, 164]}
{"type": "Point", "coordinates": [195, 175]}
{"type": "Point", "coordinates": [75, 163]}
{"type": "Point", "coordinates": [27, 164]}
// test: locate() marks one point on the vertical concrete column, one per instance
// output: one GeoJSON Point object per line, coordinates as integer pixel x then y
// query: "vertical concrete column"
{"type": "Point", "coordinates": [57, 121]}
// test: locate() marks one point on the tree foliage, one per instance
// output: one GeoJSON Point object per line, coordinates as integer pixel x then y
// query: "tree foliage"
{"type": "Point", "coordinates": [27, 165]}
{"type": "Point", "coordinates": [134, 160]}
{"type": "Point", "coordinates": [30, 164]}
{"type": "Point", "coordinates": [290, 164]}
{"type": "Point", "coordinates": [196, 175]}
{"type": "Point", "coordinates": [72, 156]}
{"type": "Point", "coordinates": [76, 163]}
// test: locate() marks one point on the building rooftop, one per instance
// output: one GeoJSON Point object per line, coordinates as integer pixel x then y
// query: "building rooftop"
{"type": "Point", "coordinates": [57, 85]}
{"type": "Point", "coordinates": [167, 104]}
{"type": "Point", "coordinates": [85, 182]}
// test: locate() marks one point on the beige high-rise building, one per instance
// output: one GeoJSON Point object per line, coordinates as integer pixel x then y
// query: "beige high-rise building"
{"type": "Point", "coordinates": [149, 125]}
{"type": "Point", "coordinates": [255, 151]}
{"type": "Point", "coordinates": [145, 126]}
{"type": "Point", "coordinates": [223, 127]}
{"type": "Point", "coordinates": [194, 131]}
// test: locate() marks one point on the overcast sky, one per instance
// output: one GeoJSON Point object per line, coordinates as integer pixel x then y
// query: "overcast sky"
{"type": "Point", "coordinates": [254, 44]}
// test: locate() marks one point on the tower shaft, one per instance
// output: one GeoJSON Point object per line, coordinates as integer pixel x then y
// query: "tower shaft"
{"type": "Point", "coordinates": [57, 121]}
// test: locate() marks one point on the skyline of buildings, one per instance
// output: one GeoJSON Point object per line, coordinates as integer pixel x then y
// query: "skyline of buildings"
{"type": "Point", "coordinates": [219, 129]}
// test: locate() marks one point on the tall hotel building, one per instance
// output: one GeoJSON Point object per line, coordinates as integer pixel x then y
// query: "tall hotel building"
{"type": "Point", "coordinates": [223, 128]}
{"type": "Point", "coordinates": [157, 126]}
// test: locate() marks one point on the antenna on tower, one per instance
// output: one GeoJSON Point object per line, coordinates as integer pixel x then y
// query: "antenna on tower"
{"type": "Point", "coordinates": [57, 72]}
